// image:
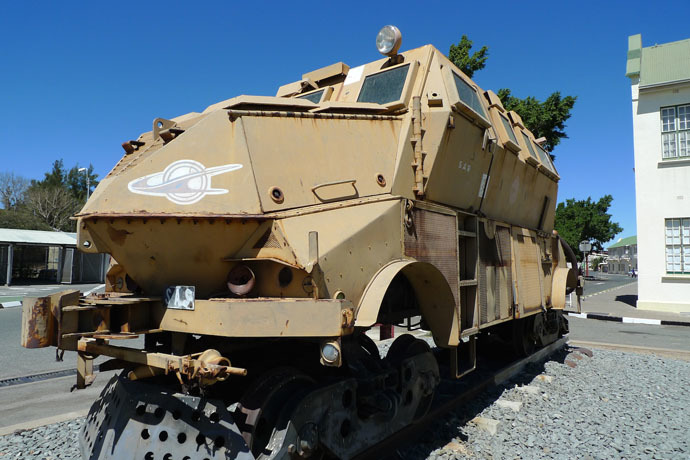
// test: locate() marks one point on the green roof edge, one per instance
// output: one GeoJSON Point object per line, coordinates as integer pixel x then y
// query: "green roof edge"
{"type": "Point", "coordinates": [627, 241]}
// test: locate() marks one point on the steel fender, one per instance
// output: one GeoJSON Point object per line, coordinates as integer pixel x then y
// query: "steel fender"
{"type": "Point", "coordinates": [562, 279]}
{"type": "Point", "coordinates": [434, 296]}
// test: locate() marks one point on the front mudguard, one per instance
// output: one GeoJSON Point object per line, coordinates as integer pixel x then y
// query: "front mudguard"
{"type": "Point", "coordinates": [145, 421]}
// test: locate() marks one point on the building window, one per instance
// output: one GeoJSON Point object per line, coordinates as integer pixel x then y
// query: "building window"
{"type": "Point", "coordinates": [678, 246]}
{"type": "Point", "coordinates": [675, 131]}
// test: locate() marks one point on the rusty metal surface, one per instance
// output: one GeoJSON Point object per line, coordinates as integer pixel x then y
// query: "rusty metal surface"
{"type": "Point", "coordinates": [38, 324]}
{"type": "Point", "coordinates": [432, 238]}
{"type": "Point", "coordinates": [208, 367]}
{"type": "Point", "coordinates": [260, 318]}
{"type": "Point", "coordinates": [314, 115]}
{"type": "Point", "coordinates": [42, 318]}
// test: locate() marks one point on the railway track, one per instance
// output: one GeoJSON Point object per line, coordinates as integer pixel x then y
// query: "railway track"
{"type": "Point", "coordinates": [453, 394]}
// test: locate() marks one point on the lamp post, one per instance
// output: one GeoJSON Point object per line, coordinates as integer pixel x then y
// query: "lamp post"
{"type": "Point", "coordinates": [88, 181]}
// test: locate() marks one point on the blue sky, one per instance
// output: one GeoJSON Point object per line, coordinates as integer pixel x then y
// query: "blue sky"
{"type": "Point", "coordinates": [79, 78]}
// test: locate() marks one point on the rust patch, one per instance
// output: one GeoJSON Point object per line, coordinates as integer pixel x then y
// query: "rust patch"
{"type": "Point", "coordinates": [39, 328]}
{"type": "Point", "coordinates": [117, 236]}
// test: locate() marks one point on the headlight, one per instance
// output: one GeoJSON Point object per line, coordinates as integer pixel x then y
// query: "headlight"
{"type": "Point", "coordinates": [330, 353]}
{"type": "Point", "coordinates": [388, 40]}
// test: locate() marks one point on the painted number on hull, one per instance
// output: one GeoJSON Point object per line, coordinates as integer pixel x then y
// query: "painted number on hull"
{"type": "Point", "coordinates": [464, 166]}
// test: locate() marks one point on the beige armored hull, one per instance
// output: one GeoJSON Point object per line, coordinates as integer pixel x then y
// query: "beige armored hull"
{"type": "Point", "coordinates": [389, 193]}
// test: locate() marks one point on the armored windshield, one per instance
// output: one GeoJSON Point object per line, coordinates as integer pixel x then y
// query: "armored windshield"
{"type": "Point", "coordinates": [314, 97]}
{"type": "Point", "coordinates": [384, 87]}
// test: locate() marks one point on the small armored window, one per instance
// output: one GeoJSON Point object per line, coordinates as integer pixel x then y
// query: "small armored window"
{"type": "Point", "coordinates": [529, 145]}
{"type": "Point", "coordinates": [509, 130]}
{"type": "Point", "coordinates": [468, 95]}
{"type": "Point", "coordinates": [545, 158]}
{"type": "Point", "coordinates": [384, 87]}
{"type": "Point", "coordinates": [314, 97]}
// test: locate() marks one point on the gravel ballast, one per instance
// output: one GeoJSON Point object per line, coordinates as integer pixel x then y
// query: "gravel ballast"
{"type": "Point", "coordinates": [613, 405]}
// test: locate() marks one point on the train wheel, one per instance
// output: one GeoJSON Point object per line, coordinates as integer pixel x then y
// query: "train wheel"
{"type": "Point", "coordinates": [524, 340]}
{"type": "Point", "coordinates": [263, 404]}
{"type": "Point", "coordinates": [404, 347]}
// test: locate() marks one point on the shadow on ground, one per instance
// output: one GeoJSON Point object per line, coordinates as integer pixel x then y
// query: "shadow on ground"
{"type": "Point", "coordinates": [630, 299]}
{"type": "Point", "coordinates": [451, 425]}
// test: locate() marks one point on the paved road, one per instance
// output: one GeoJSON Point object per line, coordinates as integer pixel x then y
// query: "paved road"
{"type": "Point", "coordinates": [605, 281]}
{"type": "Point", "coordinates": [640, 335]}
{"type": "Point", "coordinates": [12, 293]}
{"type": "Point", "coordinates": [48, 401]}
{"type": "Point", "coordinates": [16, 361]}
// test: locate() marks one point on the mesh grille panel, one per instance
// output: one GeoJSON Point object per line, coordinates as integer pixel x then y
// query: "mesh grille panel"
{"type": "Point", "coordinates": [529, 273]}
{"type": "Point", "coordinates": [267, 240]}
{"type": "Point", "coordinates": [272, 242]}
{"type": "Point", "coordinates": [506, 298]}
{"type": "Point", "coordinates": [494, 278]}
{"type": "Point", "coordinates": [433, 239]}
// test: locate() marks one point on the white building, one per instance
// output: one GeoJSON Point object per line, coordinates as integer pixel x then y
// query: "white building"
{"type": "Point", "coordinates": [622, 256]}
{"type": "Point", "coordinates": [660, 79]}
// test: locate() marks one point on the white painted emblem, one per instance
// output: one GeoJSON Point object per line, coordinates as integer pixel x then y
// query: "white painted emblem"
{"type": "Point", "coordinates": [182, 182]}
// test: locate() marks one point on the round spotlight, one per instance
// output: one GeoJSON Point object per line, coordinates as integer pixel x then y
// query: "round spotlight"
{"type": "Point", "coordinates": [330, 353]}
{"type": "Point", "coordinates": [388, 40]}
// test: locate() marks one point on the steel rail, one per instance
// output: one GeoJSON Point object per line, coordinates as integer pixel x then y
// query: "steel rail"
{"type": "Point", "coordinates": [385, 448]}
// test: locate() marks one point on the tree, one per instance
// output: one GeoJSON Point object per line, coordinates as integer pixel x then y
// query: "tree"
{"type": "Point", "coordinates": [545, 119]}
{"type": "Point", "coordinates": [53, 206]}
{"type": "Point", "coordinates": [460, 56]}
{"type": "Point", "coordinates": [49, 203]}
{"type": "Point", "coordinates": [595, 262]}
{"type": "Point", "coordinates": [74, 180]}
{"type": "Point", "coordinates": [20, 217]}
{"type": "Point", "coordinates": [579, 220]}
{"type": "Point", "coordinates": [12, 189]}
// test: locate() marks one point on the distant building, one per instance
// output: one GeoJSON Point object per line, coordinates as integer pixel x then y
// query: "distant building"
{"type": "Point", "coordinates": [660, 79]}
{"type": "Point", "coordinates": [623, 255]}
{"type": "Point", "coordinates": [602, 258]}
{"type": "Point", "coordinates": [34, 257]}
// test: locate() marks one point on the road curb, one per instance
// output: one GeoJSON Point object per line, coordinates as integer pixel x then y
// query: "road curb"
{"type": "Point", "coordinates": [629, 320]}
{"type": "Point", "coordinates": [14, 303]}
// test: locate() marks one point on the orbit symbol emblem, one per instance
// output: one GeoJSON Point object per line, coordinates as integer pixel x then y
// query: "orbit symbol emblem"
{"type": "Point", "coordinates": [182, 182]}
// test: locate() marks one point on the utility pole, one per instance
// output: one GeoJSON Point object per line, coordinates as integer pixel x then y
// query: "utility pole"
{"type": "Point", "coordinates": [88, 181]}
